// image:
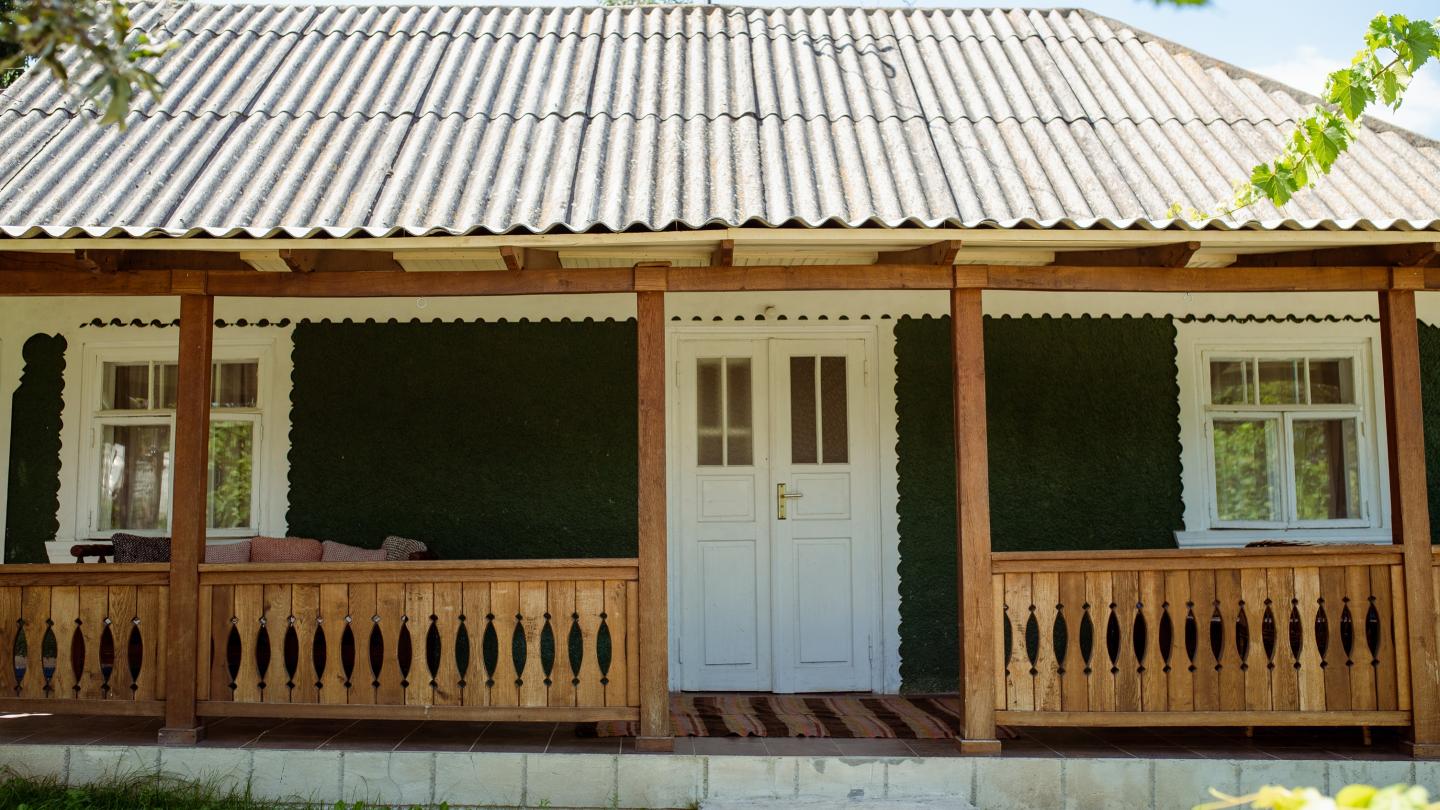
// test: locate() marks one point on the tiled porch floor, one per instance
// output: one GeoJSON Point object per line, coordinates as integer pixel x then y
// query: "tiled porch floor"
{"type": "Point", "coordinates": [406, 735]}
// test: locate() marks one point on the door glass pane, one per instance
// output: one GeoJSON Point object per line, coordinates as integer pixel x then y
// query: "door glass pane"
{"type": "Point", "coordinates": [1246, 469]}
{"type": "Point", "coordinates": [1281, 381]}
{"type": "Point", "coordinates": [134, 484]}
{"type": "Point", "coordinates": [834, 411]}
{"type": "Point", "coordinates": [709, 428]}
{"type": "Point", "coordinates": [739, 431]}
{"type": "Point", "coordinates": [235, 385]}
{"type": "Point", "coordinates": [1332, 382]}
{"type": "Point", "coordinates": [1227, 382]}
{"type": "Point", "coordinates": [166, 385]}
{"type": "Point", "coordinates": [1327, 469]}
{"type": "Point", "coordinates": [232, 451]}
{"type": "Point", "coordinates": [803, 438]}
{"type": "Point", "coordinates": [127, 387]}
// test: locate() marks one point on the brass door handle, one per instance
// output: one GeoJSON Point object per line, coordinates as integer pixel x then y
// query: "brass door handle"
{"type": "Point", "coordinates": [780, 497]}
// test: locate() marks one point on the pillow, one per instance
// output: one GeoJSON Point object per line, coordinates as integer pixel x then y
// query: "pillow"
{"type": "Point", "coordinates": [400, 548]}
{"type": "Point", "coordinates": [339, 552]}
{"type": "Point", "coordinates": [228, 552]}
{"type": "Point", "coordinates": [132, 548]}
{"type": "Point", "coordinates": [284, 549]}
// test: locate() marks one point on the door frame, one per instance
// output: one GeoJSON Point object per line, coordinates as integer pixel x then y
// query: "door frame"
{"type": "Point", "coordinates": [879, 339]}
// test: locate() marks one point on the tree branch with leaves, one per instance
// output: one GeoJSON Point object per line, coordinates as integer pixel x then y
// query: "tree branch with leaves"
{"type": "Point", "coordinates": [100, 33]}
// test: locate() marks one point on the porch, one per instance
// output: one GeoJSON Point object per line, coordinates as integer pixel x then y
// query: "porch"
{"type": "Point", "coordinates": [1329, 635]}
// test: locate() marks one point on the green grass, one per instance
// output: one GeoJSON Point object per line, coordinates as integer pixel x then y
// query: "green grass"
{"type": "Point", "coordinates": [139, 793]}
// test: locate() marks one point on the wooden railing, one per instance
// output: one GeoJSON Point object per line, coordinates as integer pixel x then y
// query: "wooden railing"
{"type": "Point", "coordinates": [1278, 636]}
{"type": "Point", "coordinates": [517, 640]}
{"type": "Point", "coordinates": [86, 638]}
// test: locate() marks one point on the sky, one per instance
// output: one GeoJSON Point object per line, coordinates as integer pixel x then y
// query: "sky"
{"type": "Point", "coordinates": [1296, 42]}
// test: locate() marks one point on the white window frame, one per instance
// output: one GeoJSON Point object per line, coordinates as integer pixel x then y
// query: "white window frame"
{"type": "Point", "coordinates": [94, 419]}
{"type": "Point", "coordinates": [1197, 345]}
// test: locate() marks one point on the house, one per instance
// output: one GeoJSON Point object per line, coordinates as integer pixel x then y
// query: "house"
{"type": "Point", "coordinates": [677, 334]}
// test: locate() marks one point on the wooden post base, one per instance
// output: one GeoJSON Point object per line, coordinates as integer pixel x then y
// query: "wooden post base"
{"type": "Point", "coordinates": [655, 745]}
{"type": "Point", "coordinates": [978, 748]}
{"type": "Point", "coordinates": [180, 736]}
{"type": "Point", "coordinates": [1420, 750]}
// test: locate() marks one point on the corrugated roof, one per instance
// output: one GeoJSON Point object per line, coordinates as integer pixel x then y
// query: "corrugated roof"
{"type": "Point", "coordinates": [344, 120]}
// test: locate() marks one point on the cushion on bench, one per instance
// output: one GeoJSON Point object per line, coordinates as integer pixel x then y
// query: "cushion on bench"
{"type": "Point", "coordinates": [284, 549]}
{"type": "Point", "coordinates": [332, 551]}
{"type": "Point", "coordinates": [132, 548]}
{"type": "Point", "coordinates": [228, 552]}
{"type": "Point", "coordinates": [401, 548]}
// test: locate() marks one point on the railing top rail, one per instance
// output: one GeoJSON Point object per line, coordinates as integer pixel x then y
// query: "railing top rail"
{"type": "Point", "coordinates": [1328, 555]}
{"type": "Point", "coordinates": [423, 570]}
{"type": "Point", "coordinates": [19, 575]}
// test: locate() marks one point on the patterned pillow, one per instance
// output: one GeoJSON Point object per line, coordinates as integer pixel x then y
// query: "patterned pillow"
{"type": "Point", "coordinates": [284, 549]}
{"type": "Point", "coordinates": [400, 548]}
{"type": "Point", "coordinates": [228, 552]}
{"type": "Point", "coordinates": [132, 548]}
{"type": "Point", "coordinates": [332, 551]}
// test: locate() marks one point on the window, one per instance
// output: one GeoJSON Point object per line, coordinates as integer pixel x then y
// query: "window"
{"type": "Point", "coordinates": [725, 429]}
{"type": "Point", "coordinates": [1284, 434]}
{"type": "Point", "coordinates": [133, 435]}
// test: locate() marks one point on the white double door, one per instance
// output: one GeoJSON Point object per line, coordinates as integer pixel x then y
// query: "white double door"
{"type": "Point", "coordinates": [778, 514]}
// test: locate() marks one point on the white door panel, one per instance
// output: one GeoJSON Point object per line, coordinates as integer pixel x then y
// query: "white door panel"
{"type": "Point", "coordinates": [783, 600]}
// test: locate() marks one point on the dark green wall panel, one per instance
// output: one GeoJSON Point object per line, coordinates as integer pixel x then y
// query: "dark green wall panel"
{"type": "Point", "coordinates": [32, 497]}
{"type": "Point", "coordinates": [1430, 394]}
{"type": "Point", "coordinates": [1084, 454]}
{"type": "Point", "coordinates": [485, 440]}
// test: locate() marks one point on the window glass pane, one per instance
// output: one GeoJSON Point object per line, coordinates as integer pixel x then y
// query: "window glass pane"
{"type": "Point", "coordinates": [1327, 469]}
{"type": "Point", "coordinates": [1281, 381]}
{"type": "Point", "coordinates": [1246, 469]}
{"type": "Point", "coordinates": [1228, 382]}
{"type": "Point", "coordinates": [127, 387]}
{"type": "Point", "coordinates": [232, 451]}
{"type": "Point", "coordinates": [235, 385]}
{"type": "Point", "coordinates": [1332, 382]}
{"type": "Point", "coordinates": [834, 413]}
{"type": "Point", "coordinates": [134, 480]}
{"type": "Point", "coordinates": [711, 451]}
{"type": "Point", "coordinates": [165, 385]}
{"type": "Point", "coordinates": [739, 430]}
{"type": "Point", "coordinates": [803, 439]}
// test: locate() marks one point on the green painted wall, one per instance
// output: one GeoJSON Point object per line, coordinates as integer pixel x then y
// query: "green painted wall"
{"type": "Point", "coordinates": [485, 440]}
{"type": "Point", "coordinates": [33, 495]}
{"type": "Point", "coordinates": [1430, 395]}
{"type": "Point", "coordinates": [1084, 454]}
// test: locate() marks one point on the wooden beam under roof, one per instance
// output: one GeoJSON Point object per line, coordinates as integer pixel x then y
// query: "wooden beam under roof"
{"type": "Point", "coordinates": [300, 261]}
{"type": "Point", "coordinates": [942, 252]}
{"type": "Point", "coordinates": [1177, 254]}
{"type": "Point", "coordinates": [99, 261]}
{"type": "Point", "coordinates": [1420, 254]}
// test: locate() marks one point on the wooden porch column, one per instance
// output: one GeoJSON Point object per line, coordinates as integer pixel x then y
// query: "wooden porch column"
{"type": "Point", "coordinates": [187, 518]}
{"type": "Point", "coordinates": [1409, 501]}
{"type": "Point", "coordinates": [972, 503]}
{"type": "Point", "coordinates": [655, 731]}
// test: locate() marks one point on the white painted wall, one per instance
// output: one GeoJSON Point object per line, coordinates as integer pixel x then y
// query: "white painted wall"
{"type": "Point", "coordinates": [22, 317]}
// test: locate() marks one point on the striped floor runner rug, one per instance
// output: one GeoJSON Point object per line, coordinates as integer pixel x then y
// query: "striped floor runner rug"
{"type": "Point", "coordinates": [850, 716]}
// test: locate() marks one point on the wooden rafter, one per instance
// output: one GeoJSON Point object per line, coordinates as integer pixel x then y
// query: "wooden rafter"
{"type": "Point", "coordinates": [724, 255]}
{"type": "Point", "coordinates": [1413, 255]}
{"type": "Point", "coordinates": [942, 253]}
{"type": "Point", "coordinates": [300, 261]}
{"type": "Point", "coordinates": [528, 258]}
{"type": "Point", "coordinates": [99, 261]}
{"type": "Point", "coordinates": [1177, 254]}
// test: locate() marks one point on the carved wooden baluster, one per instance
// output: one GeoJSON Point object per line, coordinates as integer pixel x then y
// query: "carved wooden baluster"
{"type": "Point", "coordinates": [1184, 642]}
{"type": "Point", "coordinates": [446, 624]}
{"type": "Point", "coordinates": [616, 622]}
{"type": "Point", "coordinates": [1074, 680]}
{"type": "Point", "coordinates": [35, 618]}
{"type": "Point", "coordinates": [1256, 660]}
{"type": "Point", "coordinates": [419, 608]}
{"type": "Point", "coordinates": [277, 623]}
{"type": "Point", "coordinates": [504, 608]}
{"type": "Point", "coordinates": [121, 619]}
{"type": "Point", "coordinates": [1380, 626]}
{"type": "Point", "coordinates": [335, 623]}
{"type": "Point", "coordinates": [9, 635]}
{"type": "Point", "coordinates": [561, 611]}
{"type": "Point", "coordinates": [1284, 680]}
{"type": "Point", "coordinates": [533, 689]}
{"type": "Point", "coordinates": [1308, 654]}
{"type": "Point", "coordinates": [249, 610]}
{"type": "Point", "coordinates": [478, 674]}
{"type": "Point", "coordinates": [1334, 657]}
{"type": "Point", "coordinates": [1020, 681]}
{"type": "Point", "coordinates": [1362, 669]}
{"type": "Point", "coordinates": [1046, 600]}
{"type": "Point", "coordinates": [65, 618]}
{"type": "Point", "coordinates": [304, 614]}
{"type": "Point", "coordinates": [589, 604]}
{"type": "Point", "coordinates": [1152, 635]}
{"type": "Point", "coordinates": [391, 621]}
